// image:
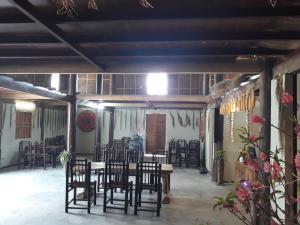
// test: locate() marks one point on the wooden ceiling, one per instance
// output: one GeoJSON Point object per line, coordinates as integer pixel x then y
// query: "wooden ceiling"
{"type": "Point", "coordinates": [174, 36]}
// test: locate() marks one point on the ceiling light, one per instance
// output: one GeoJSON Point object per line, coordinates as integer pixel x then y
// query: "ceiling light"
{"type": "Point", "coordinates": [24, 106]}
{"type": "Point", "coordinates": [157, 84]}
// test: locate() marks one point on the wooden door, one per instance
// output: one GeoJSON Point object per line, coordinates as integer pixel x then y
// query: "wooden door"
{"type": "Point", "coordinates": [155, 132]}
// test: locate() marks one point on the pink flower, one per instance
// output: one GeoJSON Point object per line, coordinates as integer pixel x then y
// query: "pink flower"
{"type": "Point", "coordinates": [257, 186]}
{"type": "Point", "coordinates": [258, 119]}
{"type": "Point", "coordinates": [253, 164]}
{"type": "Point", "coordinates": [274, 223]}
{"type": "Point", "coordinates": [298, 200]}
{"type": "Point", "coordinates": [276, 171]}
{"type": "Point", "coordinates": [263, 156]}
{"type": "Point", "coordinates": [252, 138]}
{"type": "Point", "coordinates": [286, 98]}
{"type": "Point", "coordinates": [297, 162]}
{"type": "Point", "coordinates": [267, 167]}
{"type": "Point", "coordinates": [242, 194]}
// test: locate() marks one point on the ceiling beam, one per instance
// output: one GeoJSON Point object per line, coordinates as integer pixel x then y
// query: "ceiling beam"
{"type": "Point", "coordinates": [8, 16]}
{"type": "Point", "coordinates": [146, 98]}
{"type": "Point", "coordinates": [150, 51]}
{"type": "Point", "coordinates": [157, 37]}
{"type": "Point", "coordinates": [31, 12]}
{"type": "Point", "coordinates": [68, 66]}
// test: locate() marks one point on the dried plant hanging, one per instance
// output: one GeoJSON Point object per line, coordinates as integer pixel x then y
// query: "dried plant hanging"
{"type": "Point", "coordinates": [173, 119]}
{"type": "Point", "coordinates": [68, 7]}
{"type": "Point", "coordinates": [180, 119]}
{"type": "Point", "coordinates": [193, 120]}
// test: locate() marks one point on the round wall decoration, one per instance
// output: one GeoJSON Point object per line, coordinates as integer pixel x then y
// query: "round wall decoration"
{"type": "Point", "coordinates": [86, 121]}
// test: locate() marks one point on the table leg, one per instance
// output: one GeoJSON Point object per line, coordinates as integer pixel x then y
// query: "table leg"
{"type": "Point", "coordinates": [166, 189]}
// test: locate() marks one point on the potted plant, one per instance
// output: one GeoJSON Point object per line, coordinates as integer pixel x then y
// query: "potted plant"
{"type": "Point", "coordinates": [64, 157]}
{"type": "Point", "coordinates": [219, 163]}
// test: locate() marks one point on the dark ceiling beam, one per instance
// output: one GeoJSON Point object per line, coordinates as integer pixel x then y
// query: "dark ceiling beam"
{"type": "Point", "coordinates": [69, 66]}
{"type": "Point", "coordinates": [157, 37]}
{"type": "Point", "coordinates": [156, 13]}
{"type": "Point", "coordinates": [146, 52]}
{"type": "Point", "coordinates": [31, 12]}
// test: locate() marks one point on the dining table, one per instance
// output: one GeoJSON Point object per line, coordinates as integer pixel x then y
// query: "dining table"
{"type": "Point", "coordinates": [166, 171]}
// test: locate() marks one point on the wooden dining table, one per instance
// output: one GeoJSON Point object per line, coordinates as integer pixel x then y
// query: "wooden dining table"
{"type": "Point", "coordinates": [166, 171]}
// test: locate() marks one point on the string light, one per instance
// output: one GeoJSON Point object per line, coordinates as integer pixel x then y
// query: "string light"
{"type": "Point", "coordinates": [232, 127]}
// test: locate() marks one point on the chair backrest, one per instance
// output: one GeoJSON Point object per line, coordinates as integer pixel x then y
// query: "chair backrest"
{"type": "Point", "coordinates": [181, 144]}
{"type": "Point", "coordinates": [100, 152]}
{"type": "Point", "coordinates": [110, 154]}
{"type": "Point", "coordinates": [160, 156]}
{"type": "Point", "coordinates": [78, 172]}
{"type": "Point", "coordinates": [39, 147]}
{"type": "Point", "coordinates": [116, 173]}
{"type": "Point", "coordinates": [194, 145]}
{"type": "Point", "coordinates": [134, 156]}
{"type": "Point", "coordinates": [125, 142]}
{"type": "Point", "coordinates": [25, 146]}
{"type": "Point", "coordinates": [148, 175]}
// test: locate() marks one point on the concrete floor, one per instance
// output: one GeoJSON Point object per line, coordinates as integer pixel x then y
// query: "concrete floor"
{"type": "Point", "coordinates": [36, 197]}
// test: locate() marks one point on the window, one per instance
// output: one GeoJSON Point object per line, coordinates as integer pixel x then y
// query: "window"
{"type": "Point", "coordinates": [23, 125]}
{"type": "Point", "coordinates": [55, 81]}
{"type": "Point", "coordinates": [157, 84]}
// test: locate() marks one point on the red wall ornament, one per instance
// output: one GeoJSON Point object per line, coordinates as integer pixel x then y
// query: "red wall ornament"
{"type": "Point", "coordinates": [86, 121]}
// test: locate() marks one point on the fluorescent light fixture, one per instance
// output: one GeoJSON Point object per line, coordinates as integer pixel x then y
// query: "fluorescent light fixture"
{"type": "Point", "coordinates": [100, 106]}
{"type": "Point", "coordinates": [95, 105]}
{"type": "Point", "coordinates": [25, 106]}
{"type": "Point", "coordinates": [244, 83]}
{"type": "Point", "coordinates": [157, 84]}
{"type": "Point", "coordinates": [255, 77]}
{"type": "Point", "coordinates": [55, 81]}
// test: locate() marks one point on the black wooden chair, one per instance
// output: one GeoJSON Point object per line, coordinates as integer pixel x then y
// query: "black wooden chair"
{"type": "Point", "coordinates": [172, 152]}
{"type": "Point", "coordinates": [78, 176]}
{"type": "Point", "coordinates": [28, 154]}
{"type": "Point", "coordinates": [117, 177]}
{"type": "Point", "coordinates": [182, 152]}
{"type": "Point", "coordinates": [148, 177]}
{"type": "Point", "coordinates": [100, 151]}
{"type": "Point", "coordinates": [134, 156]}
{"type": "Point", "coordinates": [40, 154]}
{"type": "Point", "coordinates": [194, 153]}
{"type": "Point", "coordinates": [160, 156]}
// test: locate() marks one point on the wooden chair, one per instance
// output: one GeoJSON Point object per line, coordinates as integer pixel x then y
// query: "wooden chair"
{"type": "Point", "coordinates": [182, 152]}
{"type": "Point", "coordinates": [194, 153]}
{"type": "Point", "coordinates": [78, 176]}
{"type": "Point", "coordinates": [148, 177]}
{"type": "Point", "coordinates": [40, 154]}
{"type": "Point", "coordinates": [160, 157]}
{"type": "Point", "coordinates": [172, 152]}
{"type": "Point", "coordinates": [134, 156]}
{"type": "Point", "coordinates": [100, 151]}
{"type": "Point", "coordinates": [23, 147]}
{"type": "Point", "coordinates": [117, 177]}
{"type": "Point", "coordinates": [28, 154]}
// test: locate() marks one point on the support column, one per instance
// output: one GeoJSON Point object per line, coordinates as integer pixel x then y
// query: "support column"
{"type": "Point", "coordinates": [265, 111]}
{"type": "Point", "coordinates": [111, 125]}
{"type": "Point", "coordinates": [42, 122]}
{"type": "Point", "coordinates": [73, 112]}
{"type": "Point", "coordinates": [290, 146]}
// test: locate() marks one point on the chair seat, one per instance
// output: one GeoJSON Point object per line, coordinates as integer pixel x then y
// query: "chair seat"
{"type": "Point", "coordinates": [79, 184]}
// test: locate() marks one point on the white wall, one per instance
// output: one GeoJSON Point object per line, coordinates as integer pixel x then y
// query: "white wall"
{"type": "Point", "coordinates": [86, 141]}
{"type": "Point", "coordinates": [10, 145]}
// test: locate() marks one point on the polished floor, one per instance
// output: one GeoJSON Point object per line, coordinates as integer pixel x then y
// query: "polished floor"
{"type": "Point", "coordinates": [36, 197]}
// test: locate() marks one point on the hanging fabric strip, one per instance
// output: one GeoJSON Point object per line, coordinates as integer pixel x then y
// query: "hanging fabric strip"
{"type": "Point", "coordinates": [103, 120]}
{"type": "Point", "coordinates": [33, 119]}
{"type": "Point", "coordinates": [173, 119]}
{"type": "Point", "coordinates": [136, 120]}
{"type": "Point", "coordinates": [193, 120]}
{"type": "Point", "coordinates": [38, 118]}
{"type": "Point", "coordinates": [3, 118]}
{"type": "Point", "coordinates": [144, 120]}
{"type": "Point", "coordinates": [139, 120]}
{"type": "Point", "coordinates": [130, 120]}
{"type": "Point", "coordinates": [10, 115]}
{"type": "Point", "coordinates": [115, 118]}
{"type": "Point", "coordinates": [121, 118]}
{"type": "Point", "coordinates": [125, 118]}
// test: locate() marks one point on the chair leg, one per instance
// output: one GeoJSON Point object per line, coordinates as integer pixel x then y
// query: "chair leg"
{"type": "Point", "coordinates": [135, 200]}
{"type": "Point", "coordinates": [75, 195]}
{"type": "Point", "coordinates": [112, 196]}
{"type": "Point", "coordinates": [131, 195]}
{"type": "Point", "coordinates": [66, 200]}
{"type": "Point", "coordinates": [104, 199]}
{"type": "Point", "coordinates": [95, 199]}
{"type": "Point", "coordinates": [89, 199]}
{"type": "Point", "coordinates": [126, 201]}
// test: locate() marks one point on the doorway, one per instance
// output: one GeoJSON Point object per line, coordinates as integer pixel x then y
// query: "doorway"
{"type": "Point", "coordinates": [155, 132]}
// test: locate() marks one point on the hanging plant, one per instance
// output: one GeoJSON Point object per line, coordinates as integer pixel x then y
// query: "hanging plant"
{"type": "Point", "coordinates": [173, 119]}
{"type": "Point", "coordinates": [68, 7]}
